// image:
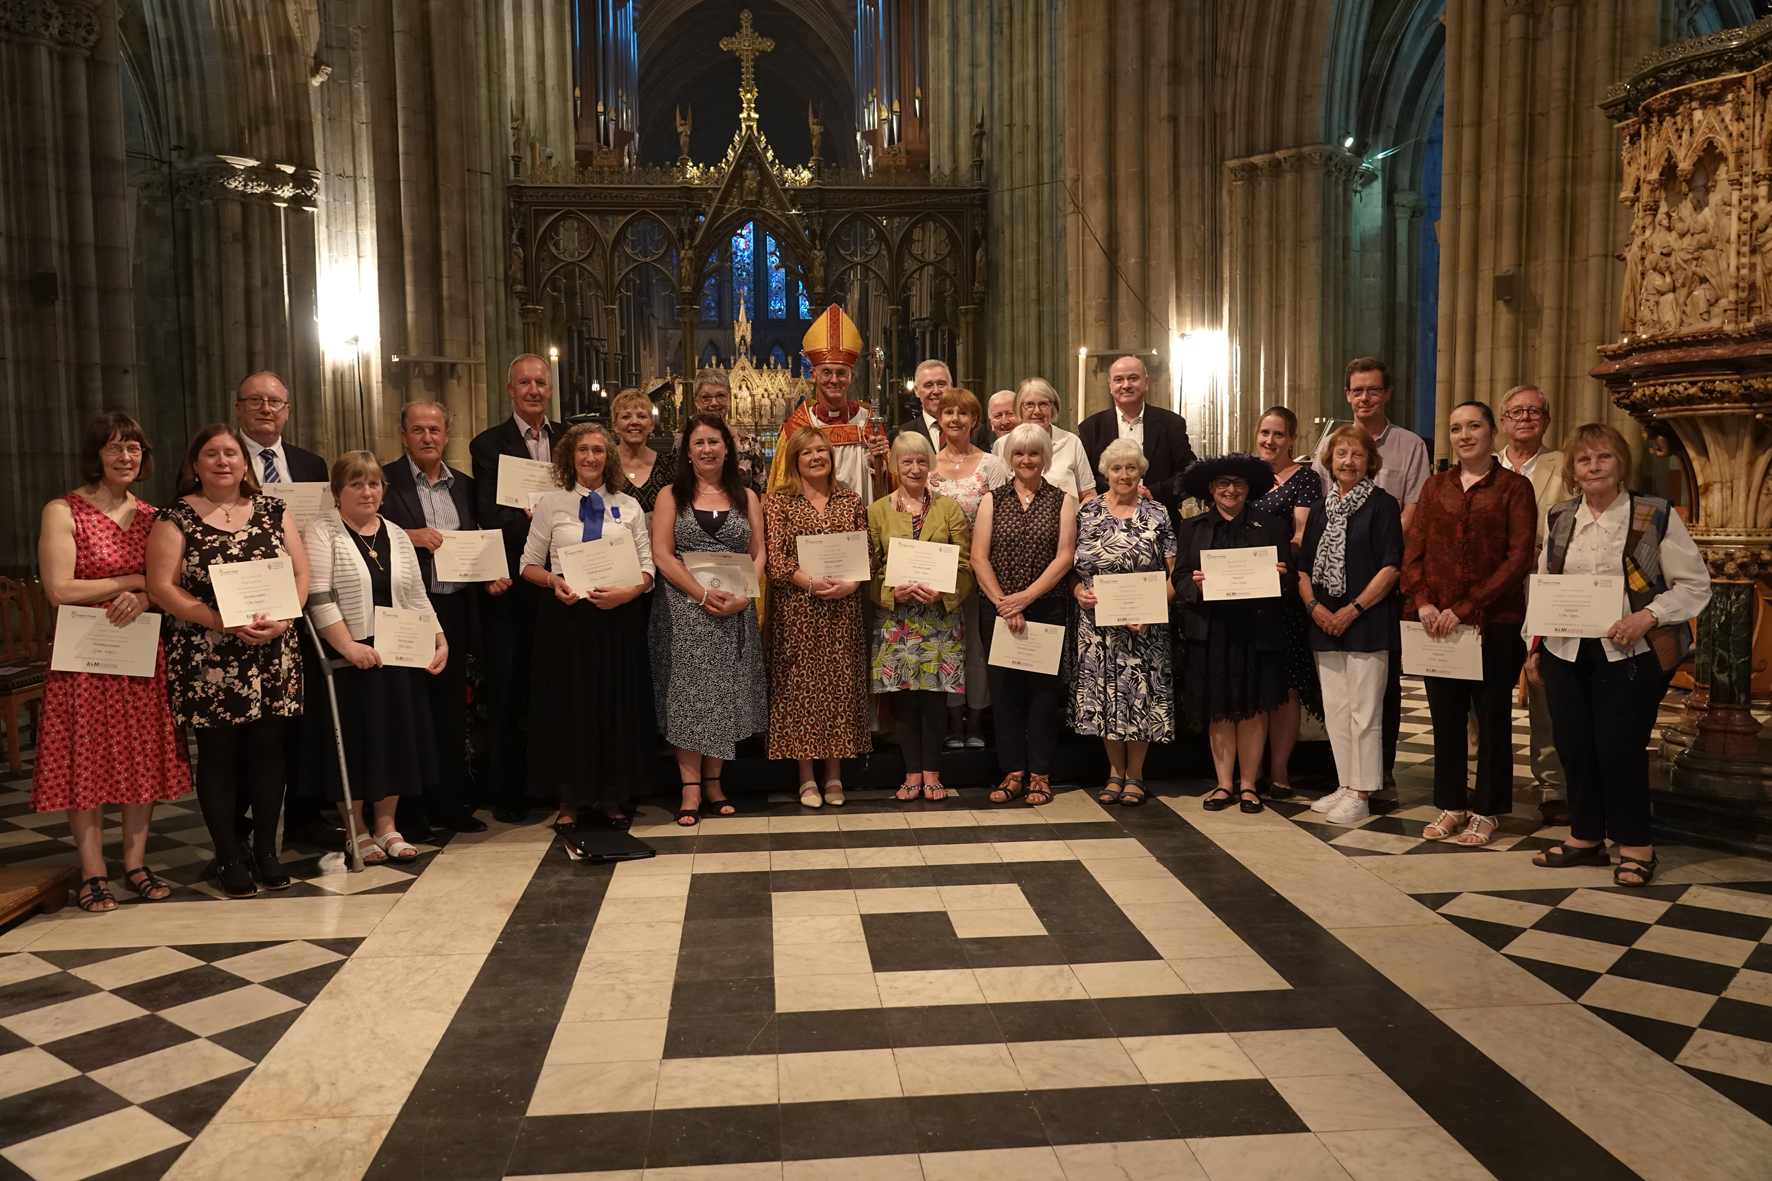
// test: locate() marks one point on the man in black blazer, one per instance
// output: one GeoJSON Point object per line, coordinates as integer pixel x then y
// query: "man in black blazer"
{"type": "Point", "coordinates": [930, 382]}
{"type": "Point", "coordinates": [510, 614]}
{"type": "Point", "coordinates": [1162, 433]}
{"type": "Point", "coordinates": [425, 495]}
{"type": "Point", "coordinates": [261, 405]}
{"type": "Point", "coordinates": [261, 409]}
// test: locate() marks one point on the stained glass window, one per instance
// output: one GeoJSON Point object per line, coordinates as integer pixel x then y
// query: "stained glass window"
{"type": "Point", "coordinates": [710, 299]}
{"type": "Point", "coordinates": [778, 280]}
{"type": "Point", "coordinates": [805, 304]}
{"type": "Point", "coordinates": [778, 356]}
{"type": "Point", "coordinates": [744, 270]}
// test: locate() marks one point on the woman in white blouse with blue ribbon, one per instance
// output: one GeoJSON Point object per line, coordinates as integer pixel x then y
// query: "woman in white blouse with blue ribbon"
{"type": "Point", "coordinates": [1604, 691]}
{"type": "Point", "coordinates": [591, 733]}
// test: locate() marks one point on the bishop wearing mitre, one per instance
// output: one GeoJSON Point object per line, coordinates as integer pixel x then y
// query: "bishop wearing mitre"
{"type": "Point", "coordinates": [832, 346]}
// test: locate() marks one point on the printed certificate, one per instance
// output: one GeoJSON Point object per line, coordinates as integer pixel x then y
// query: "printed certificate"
{"type": "Point", "coordinates": [1064, 482]}
{"type": "Point", "coordinates": [1121, 599]}
{"type": "Point", "coordinates": [244, 589]}
{"type": "Point", "coordinates": [305, 499]}
{"type": "Point", "coordinates": [406, 639]}
{"type": "Point", "coordinates": [87, 642]}
{"type": "Point", "coordinates": [1037, 650]}
{"type": "Point", "coordinates": [843, 556]}
{"type": "Point", "coordinates": [735, 574]}
{"type": "Point", "coordinates": [935, 564]}
{"type": "Point", "coordinates": [471, 555]}
{"type": "Point", "coordinates": [1240, 573]}
{"type": "Point", "coordinates": [609, 563]}
{"type": "Point", "coordinates": [1458, 656]}
{"type": "Point", "coordinates": [521, 482]}
{"type": "Point", "coordinates": [1573, 604]}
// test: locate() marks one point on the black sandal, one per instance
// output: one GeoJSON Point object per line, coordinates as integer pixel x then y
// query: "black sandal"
{"type": "Point", "coordinates": [1128, 799]}
{"type": "Point", "coordinates": [1010, 790]}
{"type": "Point", "coordinates": [693, 815]}
{"type": "Point", "coordinates": [720, 807]}
{"type": "Point", "coordinates": [1214, 802]}
{"type": "Point", "coordinates": [1111, 794]}
{"type": "Point", "coordinates": [1643, 869]}
{"type": "Point", "coordinates": [150, 882]}
{"type": "Point", "coordinates": [1564, 855]}
{"type": "Point", "coordinates": [92, 896]}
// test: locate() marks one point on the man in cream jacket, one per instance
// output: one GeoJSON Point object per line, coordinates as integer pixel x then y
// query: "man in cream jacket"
{"type": "Point", "coordinates": [1525, 417]}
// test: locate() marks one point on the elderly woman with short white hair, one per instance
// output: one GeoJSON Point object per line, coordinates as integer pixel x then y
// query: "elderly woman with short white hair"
{"type": "Point", "coordinates": [1067, 468]}
{"type": "Point", "coordinates": [1122, 689]}
{"type": "Point", "coordinates": [1022, 547]}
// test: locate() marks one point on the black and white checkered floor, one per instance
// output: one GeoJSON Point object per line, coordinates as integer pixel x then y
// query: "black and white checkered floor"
{"type": "Point", "coordinates": [879, 993]}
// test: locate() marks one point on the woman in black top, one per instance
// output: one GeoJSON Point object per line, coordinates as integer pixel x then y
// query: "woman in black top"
{"type": "Point", "coordinates": [1235, 647]}
{"type": "Point", "coordinates": [1347, 577]}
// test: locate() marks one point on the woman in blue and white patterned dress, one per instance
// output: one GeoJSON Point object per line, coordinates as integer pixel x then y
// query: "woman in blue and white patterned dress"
{"type": "Point", "coordinates": [1123, 688]}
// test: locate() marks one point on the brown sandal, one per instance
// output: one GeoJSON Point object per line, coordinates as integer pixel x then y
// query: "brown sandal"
{"type": "Point", "coordinates": [1010, 790]}
{"type": "Point", "coordinates": [1039, 790]}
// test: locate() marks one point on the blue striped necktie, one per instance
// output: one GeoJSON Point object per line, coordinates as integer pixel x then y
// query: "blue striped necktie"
{"type": "Point", "coordinates": [272, 476]}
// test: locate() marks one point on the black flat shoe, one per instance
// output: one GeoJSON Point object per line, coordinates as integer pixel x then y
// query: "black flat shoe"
{"type": "Point", "coordinates": [508, 815]}
{"type": "Point", "coordinates": [1216, 802]}
{"type": "Point", "coordinates": [235, 880]}
{"type": "Point", "coordinates": [465, 821]}
{"type": "Point", "coordinates": [270, 873]}
{"type": "Point", "coordinates": [1250, 802]}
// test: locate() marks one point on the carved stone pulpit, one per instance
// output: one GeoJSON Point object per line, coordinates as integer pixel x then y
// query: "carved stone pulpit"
{"type": "Point", "coordinates": [1693, 365]}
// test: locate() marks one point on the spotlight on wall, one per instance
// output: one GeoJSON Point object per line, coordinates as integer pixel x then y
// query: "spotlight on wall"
{"type": "Point", "coordinates": [1348, 143]}
{"type": "Point", "coordinates": [344, 316]}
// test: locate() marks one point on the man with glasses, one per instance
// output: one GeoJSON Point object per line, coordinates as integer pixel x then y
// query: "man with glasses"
{"type": "Point", "coordinates": [1525, 417]}
{"type": "Point", "coordinates": [261, 406]}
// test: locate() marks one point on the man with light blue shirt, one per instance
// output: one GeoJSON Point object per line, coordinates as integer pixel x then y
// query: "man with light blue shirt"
{"type": "Point", "coordinates": [426, 497]}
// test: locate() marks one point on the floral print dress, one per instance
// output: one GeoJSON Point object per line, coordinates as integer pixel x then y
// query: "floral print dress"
{"type": "Point", "coordinates": [920, 646]}
{"type": "Point", "coordinates": [213, 678]}
{"type": "Point", "coordinates": [1123, 687]}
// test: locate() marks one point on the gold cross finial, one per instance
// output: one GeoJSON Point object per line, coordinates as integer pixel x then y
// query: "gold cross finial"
{"type": "Point", "coordinates": [747, 45]}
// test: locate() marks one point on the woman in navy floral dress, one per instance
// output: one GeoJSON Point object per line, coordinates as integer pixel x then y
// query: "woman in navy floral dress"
{"type": "Point", "coordinates": [1122, 688]}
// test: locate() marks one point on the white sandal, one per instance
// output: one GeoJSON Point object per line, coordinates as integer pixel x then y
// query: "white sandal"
{"type": "Point", "coordinates": [809, 797]}
{"type": "Point", "coordinates": [397, 847]}
{"type": "Point", "coordinates": [372, 854]}
{"type": "Point", "coordinates": [833, 793]}
{"type": "Point", "coordinates": [1444, 825]}
{"type": "Point", "coordinates": [1473, 837]}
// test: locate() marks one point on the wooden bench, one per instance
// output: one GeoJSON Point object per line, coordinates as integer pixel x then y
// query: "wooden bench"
{"type": "Point", "coordinates": [23, 889]}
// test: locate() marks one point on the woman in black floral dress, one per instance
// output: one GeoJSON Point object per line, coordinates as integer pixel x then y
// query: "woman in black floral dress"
{"type": "Point", "coordinates": [234, 686]}
{"type": "Point", "coordinates": [1296, 488]}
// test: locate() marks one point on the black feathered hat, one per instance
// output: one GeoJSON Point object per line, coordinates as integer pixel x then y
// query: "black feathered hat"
{"type": "Point", "coordinates": [1197, 479]}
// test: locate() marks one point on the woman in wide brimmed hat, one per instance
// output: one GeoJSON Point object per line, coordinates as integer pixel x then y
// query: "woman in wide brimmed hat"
{"type": "Point", "coordinates": [1234, 646]}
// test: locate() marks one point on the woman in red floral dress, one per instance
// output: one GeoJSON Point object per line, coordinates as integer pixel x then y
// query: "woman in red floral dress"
{"type": "Point", "coordinates": [106, 739]}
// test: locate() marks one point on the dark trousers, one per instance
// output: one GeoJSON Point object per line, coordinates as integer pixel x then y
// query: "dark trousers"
{"type": "Point", "coordinates": [1392, 720]}
{"type": "Point", "coordinates": [448, 692]}
{"type": "Point", "coordinates": [1602, 712]}
{"type": "Point", "coordinates": [240, 767]}
{"type": "Point", "coordinates": [921, 720]}
{"type": "Point", "coordinates": [1027, 706]}
{"type": "Point", "coordinates": [1450, 702]}
{"type": "Point", "coordinates": [510, 643]}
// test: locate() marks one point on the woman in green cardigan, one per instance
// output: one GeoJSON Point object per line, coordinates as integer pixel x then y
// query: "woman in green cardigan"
{"type": "Point", "coordinates": [919, 649]}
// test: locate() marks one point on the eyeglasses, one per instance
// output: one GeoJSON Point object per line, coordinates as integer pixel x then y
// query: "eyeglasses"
{"type": "Point", "coordinates": [1524, 413]}
{"type": "Point", "coordinates": [112, 450]}
{"type": "Point", "coordinates": [257, 403]}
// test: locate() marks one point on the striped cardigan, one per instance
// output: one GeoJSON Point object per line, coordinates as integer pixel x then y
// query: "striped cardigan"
{"type": "Point", "coordinates": [335, 564]}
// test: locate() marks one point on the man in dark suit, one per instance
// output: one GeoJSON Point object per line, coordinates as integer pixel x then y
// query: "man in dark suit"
{"type": "Point", "coordinates": [261, 408]}
{"type": "Point", "coordinates": [425, 495]}
{"type": "Point", "coordinates": [1162, 433]}
{"type": "Point", "coordinates": [930, 382]}
{"type": "Point", "coordinates": [261, 405]}
{"type": "Point", "coordinates": [510, 614]}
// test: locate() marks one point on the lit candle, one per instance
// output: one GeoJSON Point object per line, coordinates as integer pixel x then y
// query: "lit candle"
{"type": "Point", "coordinates": [1082, 376]}
{"type": "Point", "coordinates": [554, 381]}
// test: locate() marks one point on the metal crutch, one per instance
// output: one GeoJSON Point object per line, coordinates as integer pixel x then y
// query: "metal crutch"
{"type": "Point", "coordinates": [353, 855]}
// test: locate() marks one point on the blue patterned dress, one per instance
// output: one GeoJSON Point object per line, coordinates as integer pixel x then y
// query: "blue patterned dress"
{"type": "Point", "coordinates": [1123, 687]}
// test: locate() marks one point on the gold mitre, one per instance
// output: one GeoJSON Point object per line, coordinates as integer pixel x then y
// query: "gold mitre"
{"type": "Point", "coordinates": [833, 339]}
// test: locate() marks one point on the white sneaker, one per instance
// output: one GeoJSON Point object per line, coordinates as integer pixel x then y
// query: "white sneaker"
{"type": "Point", "coordinates": [1333, 798]}
{"type": "Point", "coordinates": [1351, 810]}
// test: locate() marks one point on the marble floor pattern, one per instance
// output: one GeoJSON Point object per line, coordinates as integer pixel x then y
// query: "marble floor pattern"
{"type": "Point", "coordinates": [947, 991]}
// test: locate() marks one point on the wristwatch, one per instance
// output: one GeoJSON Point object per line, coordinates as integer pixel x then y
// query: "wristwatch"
{"type": "Point", "coordinates": [1310, 608]}
{"type": "Point", "coordinates": [1359, 608]}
